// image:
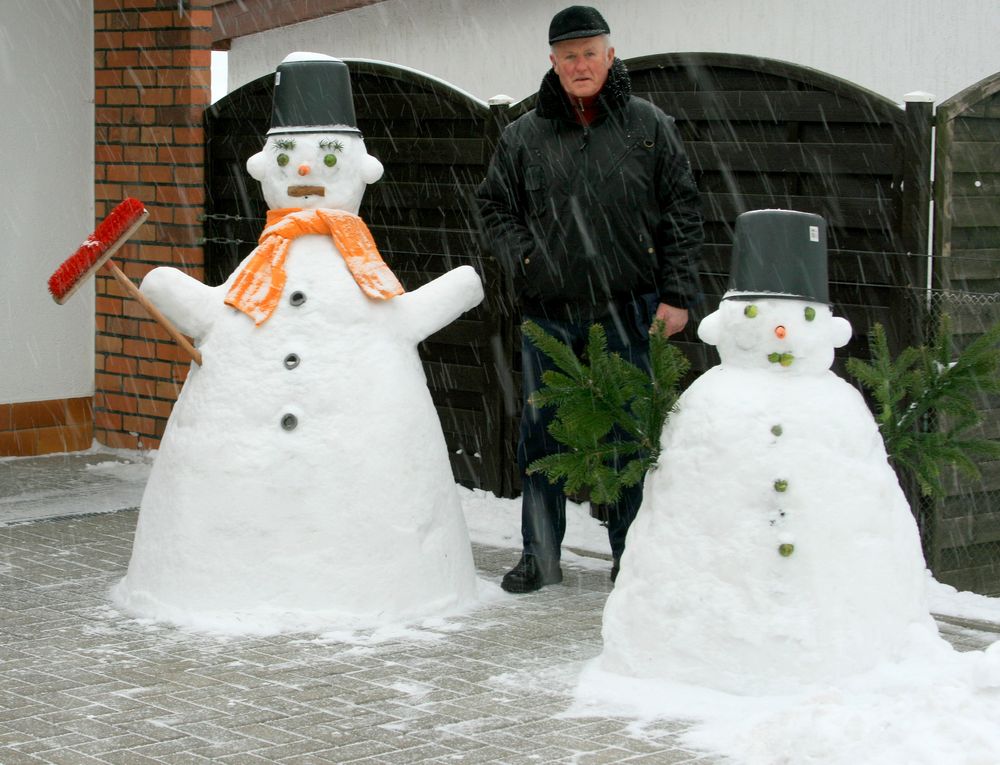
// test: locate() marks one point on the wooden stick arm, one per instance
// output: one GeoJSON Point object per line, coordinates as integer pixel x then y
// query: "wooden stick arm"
{"type": "Point", "coordinates": [154, 312]}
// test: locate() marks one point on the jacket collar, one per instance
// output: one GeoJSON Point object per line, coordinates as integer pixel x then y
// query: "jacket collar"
{"type": "Point", "coordinates": [553, 102]}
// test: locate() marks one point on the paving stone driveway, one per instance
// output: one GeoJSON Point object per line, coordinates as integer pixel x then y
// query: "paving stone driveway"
{"type": "Point", "coordinates": [82, 684]}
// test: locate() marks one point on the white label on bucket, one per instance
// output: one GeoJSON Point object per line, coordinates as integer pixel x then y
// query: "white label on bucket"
{"type": "Point", "coordinates": [814, 233]}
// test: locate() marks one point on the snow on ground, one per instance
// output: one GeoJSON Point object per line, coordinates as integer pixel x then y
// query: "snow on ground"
{"type": "Point", "coordinates": [945, 600]}
{"type": "Point", "coordinates": [939, 706]}
{"type": "Point", "coordinates": [496, 522]}
{"type": "Point", "coordinates": [98, 480]}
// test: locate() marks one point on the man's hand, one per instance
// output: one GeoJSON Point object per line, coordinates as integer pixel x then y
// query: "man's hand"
{"type": "Point", "coordinates": [674, 319]}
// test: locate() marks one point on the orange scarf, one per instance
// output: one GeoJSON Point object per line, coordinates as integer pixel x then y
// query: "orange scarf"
{"type": "Point", "coordinates": [258, 286]}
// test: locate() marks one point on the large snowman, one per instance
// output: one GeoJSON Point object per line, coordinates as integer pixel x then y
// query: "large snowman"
{"type": "Point", "coordinates": [774, 546]}
{"type": "Point", "coordinates": [303, 479]}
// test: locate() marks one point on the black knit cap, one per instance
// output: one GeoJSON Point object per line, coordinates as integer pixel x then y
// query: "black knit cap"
{"type": "Point", "coordinates": [577, 21]}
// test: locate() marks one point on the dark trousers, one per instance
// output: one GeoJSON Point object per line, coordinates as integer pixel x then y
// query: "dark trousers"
{"type": "Point", "coordinates": [543, 505]}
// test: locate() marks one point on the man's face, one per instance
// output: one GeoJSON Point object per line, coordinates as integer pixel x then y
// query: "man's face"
{"type": "Point", "coordinates": [582, 65]}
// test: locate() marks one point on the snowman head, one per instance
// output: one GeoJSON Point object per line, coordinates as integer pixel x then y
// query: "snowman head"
{"type": "Point", "coordinates": [787, 336]}
{"type": "Point", "coordinates": [314, 170]}
{"type": "Point", "coordinates": [314, 156]}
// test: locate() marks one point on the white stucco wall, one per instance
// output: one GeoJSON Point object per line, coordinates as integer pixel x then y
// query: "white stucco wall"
{"type": "Point", "coordinates": [488, 47]}
{"type": "Point", "coordinates": [46, 196]}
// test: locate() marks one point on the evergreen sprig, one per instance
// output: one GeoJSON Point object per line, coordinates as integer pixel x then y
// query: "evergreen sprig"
{"type": "Point", "coordinates": [925, 402]}
{"type": "Point", "coordinates": [609, 412]}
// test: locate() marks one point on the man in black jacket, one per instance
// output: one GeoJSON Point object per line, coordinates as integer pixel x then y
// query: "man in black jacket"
{"type": "Point", "coordinates": [590, 207]}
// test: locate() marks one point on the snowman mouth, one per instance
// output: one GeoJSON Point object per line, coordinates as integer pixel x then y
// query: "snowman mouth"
{"type": "Point", "coordinates": [306, 191]}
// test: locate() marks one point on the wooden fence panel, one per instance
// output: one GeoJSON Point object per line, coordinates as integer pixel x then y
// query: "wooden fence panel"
{"type": "Point", "coordinates": [965, 543]}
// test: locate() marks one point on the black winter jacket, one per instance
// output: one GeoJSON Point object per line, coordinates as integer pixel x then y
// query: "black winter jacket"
{"type": "Point", "coordinates": [583, 218]}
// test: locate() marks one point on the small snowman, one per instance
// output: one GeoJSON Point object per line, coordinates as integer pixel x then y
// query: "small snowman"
{"type": "Point", "coordinates": [303, 479]}
{"type": "Point", "coordinates": [774, 547]}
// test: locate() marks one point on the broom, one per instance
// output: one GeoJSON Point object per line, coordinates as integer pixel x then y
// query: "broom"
{"type": "Point", "coordinates": [110, 235]}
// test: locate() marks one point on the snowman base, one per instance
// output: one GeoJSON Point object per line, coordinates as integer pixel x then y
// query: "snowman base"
{"type": "Point", "coordinates": [263, 620]}
{"type": "Point", "coordinates": [766, 558]}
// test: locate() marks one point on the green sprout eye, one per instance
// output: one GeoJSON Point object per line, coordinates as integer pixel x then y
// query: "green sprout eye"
{"type": "Point", "coordinates": [810, 313]}
{"type": "Point", "coordinates": [330, 160]}
{"type": "Point", "coordinates": [282, 160]}
{"type": "Point", "coordinates": [750, 311]}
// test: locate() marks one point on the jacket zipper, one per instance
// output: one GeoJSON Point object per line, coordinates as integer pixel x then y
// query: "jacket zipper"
{"type": "Point", "coordinates": [584, 125]}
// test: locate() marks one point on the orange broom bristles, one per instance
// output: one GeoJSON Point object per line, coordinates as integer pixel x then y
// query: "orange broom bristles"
{"type": "Point", "coordinates": [89, 255]}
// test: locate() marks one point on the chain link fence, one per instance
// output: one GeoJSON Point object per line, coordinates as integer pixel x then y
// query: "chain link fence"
{"type": "Point", "coordinates": [961, 529]}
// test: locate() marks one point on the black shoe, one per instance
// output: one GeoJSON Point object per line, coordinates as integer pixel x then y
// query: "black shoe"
{"type": "Point", "coordinates": [531, 574]}
{"type": "Point", "coordinates": [615, 566]}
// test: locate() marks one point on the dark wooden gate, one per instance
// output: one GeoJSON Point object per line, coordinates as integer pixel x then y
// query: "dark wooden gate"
{"type": "Point", "coordinates": [965, 538]}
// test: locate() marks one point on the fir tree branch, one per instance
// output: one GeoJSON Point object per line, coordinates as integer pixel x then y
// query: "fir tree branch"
{"type": "Point", "coordinates": [924, 384]}
{"type": "Point", "coordinates": [609, 412]}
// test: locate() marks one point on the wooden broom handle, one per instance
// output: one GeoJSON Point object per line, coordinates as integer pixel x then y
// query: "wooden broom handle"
{"type": "Point", "coordinates": [154, 312]}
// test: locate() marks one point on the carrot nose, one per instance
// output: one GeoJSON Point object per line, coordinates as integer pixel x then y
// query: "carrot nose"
{"type": "Point", "coordinates": [780, 331]}
{"type": "Point", "coordinates": [303, 169]}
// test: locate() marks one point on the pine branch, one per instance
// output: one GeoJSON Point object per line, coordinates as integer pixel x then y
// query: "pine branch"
{"type": "Point", "coordinates": [609, 412]}
{"type": "Point", "coordinates": [924, 384]}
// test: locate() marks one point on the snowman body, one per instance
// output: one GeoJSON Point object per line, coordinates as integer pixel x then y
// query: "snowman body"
{"type": "Point", "coordinates": [774, 546]}
{"type": "Point", "coordinates": [303, 480]}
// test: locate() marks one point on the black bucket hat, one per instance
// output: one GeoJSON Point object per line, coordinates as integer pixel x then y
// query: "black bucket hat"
{"type": "Point", "coordinates": [577, 21]}
{"type": "Point", "coordinates": [312, 93]}
{"type": "Point", "coordinates": [780, 254]}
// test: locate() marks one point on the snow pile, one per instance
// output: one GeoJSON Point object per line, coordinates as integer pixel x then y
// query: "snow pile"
{"type": "Point", "coordinates": [947, 601]}
{"type": "Point", "coordinates": [936, 706]}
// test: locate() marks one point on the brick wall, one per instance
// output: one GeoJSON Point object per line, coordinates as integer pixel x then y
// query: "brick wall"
{"type": "Point", "coordinates": [152, 83]}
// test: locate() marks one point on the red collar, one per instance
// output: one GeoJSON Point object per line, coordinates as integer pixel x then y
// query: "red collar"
{"type": "Point", "coordinates": [584, 109]}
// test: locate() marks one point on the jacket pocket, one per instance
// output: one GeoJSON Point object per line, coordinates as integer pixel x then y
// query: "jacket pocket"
{"type": "Point", "coordinates": [534, 186]}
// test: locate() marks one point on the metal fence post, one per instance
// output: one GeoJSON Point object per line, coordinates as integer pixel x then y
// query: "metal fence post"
{"type": "Point", "coordinates": [916, 200]}
{"type": "Point", "coordinates": [914, 230]}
